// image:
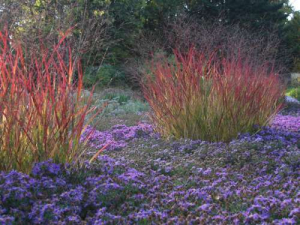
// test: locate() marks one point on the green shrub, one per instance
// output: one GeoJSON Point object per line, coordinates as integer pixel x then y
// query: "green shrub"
{"type": "Point", "coordinates": [294, 92]}
{"type": "Point", "coordinates": [120, 102]}
{"type": "Point", "coordinates": [115, 108]}
{"type": "Point", "coordinates": [120, 98]}
{"type": "Point", "coordinates": [104, 75]}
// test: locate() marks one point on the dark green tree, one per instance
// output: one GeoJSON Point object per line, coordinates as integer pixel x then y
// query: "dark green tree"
{"type": "Point", "coordinates": [157, 11]}
{"type": "Point", "coordinates": [293, 39]}
{"type": "Point", "coordinates": [254, 14]}
{"type": "Point", "coordinates": [127, 22]}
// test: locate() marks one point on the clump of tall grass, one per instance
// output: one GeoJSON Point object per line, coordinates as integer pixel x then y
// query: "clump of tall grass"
{"type": "Point", "coordinates": [42, 108]}
{"type": "Point", "coordinates": [210, 98]}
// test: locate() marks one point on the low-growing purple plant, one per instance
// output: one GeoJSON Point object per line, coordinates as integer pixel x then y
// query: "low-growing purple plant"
{"type": "Point", "coordinates": [109, 191]}
{"type": "Point", "coordinates": [287, 122]}
{"type": "Point", "coordinates": [117, 137]}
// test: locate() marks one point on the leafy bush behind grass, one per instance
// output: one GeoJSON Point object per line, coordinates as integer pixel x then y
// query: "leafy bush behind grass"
{"type": "Point", "coordinates": [120, 102]}
{"type": "Point", "coordinates": [103, 75]}
{"type": "Point", "coordinates": [294, 92]}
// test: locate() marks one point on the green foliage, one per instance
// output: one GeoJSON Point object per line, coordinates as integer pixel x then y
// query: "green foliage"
{"type": "Point", "coordinates": [131, 107]}
{"type": "Point", "coordinates": [124, 106]}
{"type": "Point", "coordinates": [128, 21]}
{"type": "Point", "coordinates": [120, 102]}
{"type": "Point", "coordinates": [31, 21]}
{"type": "Point", "coordinates": [112, 28]}
{"type": "Point", "coordinates": [293, 39]}
{"type": "Point", "coordinates": [156, 11]}
{"type": "Point", "coordinates": [253, 14]}
{"type": "Point", "coordinates": [102, 76]}
{"type": "Point", "coordinates": [294, 92]}
{"type": "Point", "coordinates": [120, 98]}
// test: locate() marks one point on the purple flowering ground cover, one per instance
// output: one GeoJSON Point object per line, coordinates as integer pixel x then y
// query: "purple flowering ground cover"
{"type": "Point", "coordinates": [287, 122]}
{"type": "Point", "coordinates": [142, 179]}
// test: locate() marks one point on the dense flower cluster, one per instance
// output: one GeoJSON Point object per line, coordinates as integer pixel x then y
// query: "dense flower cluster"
{"type": "Point", "coordinates": [287, 122]}
{"type": "Point", "coordinates": [115, 193]}
{"type": "Point", "coordinates": [117, 137]}
{"type": "Point", "coordinates": [254, 179]}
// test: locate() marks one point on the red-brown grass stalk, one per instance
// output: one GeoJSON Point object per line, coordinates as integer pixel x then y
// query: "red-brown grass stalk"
{"type": "Point", "coordinates": [209, 98]}
{"type": "Point", "coordinates": [42, 108]}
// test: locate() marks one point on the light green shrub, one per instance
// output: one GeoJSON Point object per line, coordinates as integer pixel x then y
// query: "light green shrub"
{"type": "Point", "coordinates": [294, 92]}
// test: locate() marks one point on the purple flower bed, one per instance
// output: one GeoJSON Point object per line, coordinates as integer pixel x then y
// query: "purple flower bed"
{"type": "Point", "coordinates": [252, 180]}
{"type": "Point", "coordinates": [118, 136]}
{"type": "Point", "coordinates": [287, 122]}
{"type": "Point", "coordinates": [111, 192]}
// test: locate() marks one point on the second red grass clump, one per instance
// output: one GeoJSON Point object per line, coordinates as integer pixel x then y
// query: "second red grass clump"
{"type": "Point", "coordinates": [42, 108]}
{"type": "Point", "coordinates": [211, 98]}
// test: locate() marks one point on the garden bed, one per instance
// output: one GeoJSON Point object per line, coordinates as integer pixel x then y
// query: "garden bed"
{"type": "Point", "coordinates": [143, 179]}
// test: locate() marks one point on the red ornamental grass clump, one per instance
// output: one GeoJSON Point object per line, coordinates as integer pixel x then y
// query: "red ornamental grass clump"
{"type": "Point", "coordinates": [42, 108]}
{"type": "Point", "coordinates": [209, 98]}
